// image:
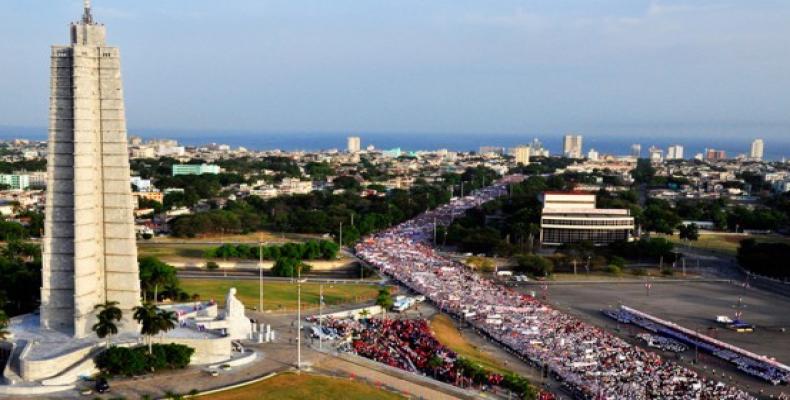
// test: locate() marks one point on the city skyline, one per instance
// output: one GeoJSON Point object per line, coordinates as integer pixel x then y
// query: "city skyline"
{"type": "Point", "coordinates": [357, 69]}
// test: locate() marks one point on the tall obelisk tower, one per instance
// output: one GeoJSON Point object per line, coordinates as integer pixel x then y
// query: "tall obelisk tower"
{"type": "Point", "coordinates": [89, 248]}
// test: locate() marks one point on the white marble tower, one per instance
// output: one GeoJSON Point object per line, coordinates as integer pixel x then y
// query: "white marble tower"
{"type": "Point", "coordinates": [89, 249]}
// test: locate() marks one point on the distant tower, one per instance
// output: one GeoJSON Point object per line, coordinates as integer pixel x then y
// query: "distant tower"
{"type": "Point", "coordinates": [675, 152]}
{"type": "Point", "coordinates": [572, 146]}
{"type": "Point", "coordinates": [354, 144]}
{"type": "Point", "coordinates": [89, 249]}
{"type": "Point", "coordinates": [636, 150]}
{"type": "Point", "coordinates": [756, 152]}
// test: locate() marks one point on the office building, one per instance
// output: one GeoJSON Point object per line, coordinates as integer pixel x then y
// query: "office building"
{"type": "Point", "coordinates": [756, 151]}
{"type": "Point", "coordinates": [195, 169]}
{"type": "Point", "coordinates": [715, 155]}
{"type": "Point", "coordinates": [572, 146]}
{"type": "Point", "coordinates": [521, 153]}
{"type": "Point", "coordinates": [16, 182]}
{"type": "Point", "coordinates": [572, 217]}
{"type": "Point", "coordinates": [656, 154]}
{"type": "Point", "coordinates": [636, 150]}
{"type": "Point", "coordinates": [675, 152]}
{"type": "Point", "coordinates": [89, 248]}
{"type": "Point", "coordinates": [354, 144]}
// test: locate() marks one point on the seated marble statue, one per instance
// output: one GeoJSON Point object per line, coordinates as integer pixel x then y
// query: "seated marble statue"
{"type": "Point", "coordinates": [239, 326]}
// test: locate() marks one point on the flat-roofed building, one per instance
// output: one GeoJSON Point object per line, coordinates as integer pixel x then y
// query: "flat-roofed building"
{"type": "Point", "coordinates": [572, 217]}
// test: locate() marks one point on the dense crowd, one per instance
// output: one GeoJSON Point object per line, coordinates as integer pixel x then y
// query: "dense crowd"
{"type": "Point", "coordinates": [749, 365]}
{"type": "Point", "coordinates": [593, 363]}
{"type": "Point", "coordinates": [662, 343]}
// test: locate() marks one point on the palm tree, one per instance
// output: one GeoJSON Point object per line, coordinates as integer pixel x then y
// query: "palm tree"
{"type": "Point", "coordinates": [107, 318]}
{"type": "Point", "coordinates": [154, 321]}
{"type": "Point", "coordinates": [146, 316]}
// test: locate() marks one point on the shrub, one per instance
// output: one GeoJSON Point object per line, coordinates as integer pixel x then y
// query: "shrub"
{"type": "Point", "coordinates": [613, 269]}
{"type": "Point", "coordinates": [132, 361]}
{"type": "Point", "coordinates": [639, 271]}
{"type": "Point", "coordinates": [618, 261]}
{"type": "Point", "coordinates": [667, 271]}
{"type": "Point", "coordinates": [211, 265]}
{"type": "Point", "coordinates": [535, 265]}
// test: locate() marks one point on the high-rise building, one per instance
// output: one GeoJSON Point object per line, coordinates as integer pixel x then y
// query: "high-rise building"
{"type": "Point", "coordinates": [756, 151]}
{"type": "Point", "coordinates": [715, 155]}
{"type": "Point", "coordinates": [636, 150]}
{"type": "Point", "coordinates": [592, 155]}
{"type": "Point", "coordinates": [572, 146]}
{"type": "Point", "coordinates": [536, 149]}
{"type": "Point", "coordinates": [354, 144]}
{"type": "Point", "coordinates": [521, 153]}
{"type": "Point", "coordinates": [655, 154]}
{"type": "Point", "coordinates": [675, 152]}
{"type": "Point", "coordinates": [89, 248]}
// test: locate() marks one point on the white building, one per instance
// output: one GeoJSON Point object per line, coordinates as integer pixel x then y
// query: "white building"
{"type": "Point", "coordinates": [756, 151]}
{"type": "Point", "coordinates": [521, 153]}
{"type": "Point", "coordinates": [593, 155]}
{"type": "Point", "coordinates": [675, 152]}
{"type": "Point", "coordinates": [636, 150]}
{"type": "Point", "coordinates": [572, 217]}
{"type": "Point", "coordinates": [572, 146]}
{"type": "Point", "coordinates": [656, 154]}
{"type": "Point", "coordinates": [354, 144]}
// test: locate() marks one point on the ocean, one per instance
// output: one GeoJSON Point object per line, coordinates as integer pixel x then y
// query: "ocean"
{"type": "Point", "coordinates": [776, 148]}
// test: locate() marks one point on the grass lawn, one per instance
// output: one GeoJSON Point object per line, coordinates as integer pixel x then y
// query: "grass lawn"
{"type": "Point", "coordinates": [253, 237]}
{"type": "Point", "coordinates": [446, 332]}
{"type": "Point", "coordinates": [279, 295]}
{"type": "Point", "coordinates": [171, 250]}
{"type": "Point", "coordinates": [290, 386]}
{"type": "Point", "coordinates": [726, 243]}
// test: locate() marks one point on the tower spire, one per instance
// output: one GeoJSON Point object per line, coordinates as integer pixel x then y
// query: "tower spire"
{"type": "Point", "coordinates": [87, 18]}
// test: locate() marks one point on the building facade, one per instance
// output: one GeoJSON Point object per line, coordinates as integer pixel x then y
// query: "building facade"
{"type": "Point", "coordinates": [354, 144]}
{"type": "Point", "coordinates": [756, 150]}
{"type": "Point", "coordinates": [16, 182]}
{"type": "Point", "coordinates": [195, 169]}
{"type": "Point", "coordinates": [675, 152]}
{"type": "Point", "coordinates": [521, 154]}
{"type": "Point", "coordinates": [89, 248]}
{"type": "Point", "coordinates": [572, 146]}
{"type": "Point", "coordinates": [572, 217]}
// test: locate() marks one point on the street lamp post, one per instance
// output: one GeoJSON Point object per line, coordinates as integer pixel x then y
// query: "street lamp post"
{"type": "Point", "coordinates": [260, 276]}
{"type": "Point", "coordinates": [320, 317]}
{"type": "Point", "coordinates": [299, 320]}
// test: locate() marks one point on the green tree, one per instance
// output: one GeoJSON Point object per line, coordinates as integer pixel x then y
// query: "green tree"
{"type": "Point", "coordinates": [107, 319]}
{"type": "Point", "coordinates": [155, 274]}
{"type": "Point", "coordinates": [3, 326]}
{"type": "Point", "coordinates": [689, 232]}
{"type": "Point", "coordinates": [384, 299]}
{"type": "Point", "coordinates": [535, 265]}
{"type": "Point", "coordinates": [153, 321]}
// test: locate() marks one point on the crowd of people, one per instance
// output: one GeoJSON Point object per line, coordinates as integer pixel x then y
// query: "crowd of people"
{"type": "Point", "coordinates": [749, 365]}
{"type": "Point", "coordinates": [662, 343]}
{"type": "Point", "coordinates": [591, 362]}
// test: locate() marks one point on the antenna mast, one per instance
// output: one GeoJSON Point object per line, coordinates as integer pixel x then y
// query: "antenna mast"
{"type": "Point", "coordinates": [87, 18]}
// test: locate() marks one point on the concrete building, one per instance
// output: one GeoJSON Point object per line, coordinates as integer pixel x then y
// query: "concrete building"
{"type": "Point", "coordinates": [89, 249]}
{"type": "Point", "coordinates": [656, 154]}
{"type": "Point", "coordinates": [572, 146]}
{"type": "Point", "coordinates": [636, 150]}
{"type": "Point", "coordinates": [593, 155]}
{"type": "Point", "coordinates": [572, 217]}
{"type": "Point", "coordinates": [195, 169]}
{"type": "Point", "coordinates": [715, 155]}
{"type": "Point", "coordinates": [756, 150]}
{"type": "Point", "coordinates": [536, 149]}
{"type": "Point", "coordinates": [521, 153]}
{"type": "Point", "coordinates": [675, 152]}
{"type": "Point", "coordinates": [16, 182]}
{"type": "Point", "coordinates": [354, 144]}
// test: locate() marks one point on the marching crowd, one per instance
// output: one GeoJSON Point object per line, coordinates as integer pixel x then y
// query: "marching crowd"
{"type": "Point", "coordinates": [757, 368]}
{"type": "Point", "coordinates": [591, 362]}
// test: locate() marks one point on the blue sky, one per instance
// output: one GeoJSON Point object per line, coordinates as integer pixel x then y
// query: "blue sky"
{"type": "Point", "coordinates": [499, 66]}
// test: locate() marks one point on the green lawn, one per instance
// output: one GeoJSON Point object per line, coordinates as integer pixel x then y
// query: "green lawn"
{"type": "Point", "coordinates": [290, 386]}
{"type": "Point", "coordinates": [170, 251]}
{"type": "Point", "coordinates": [279, 295]}
{"type": "Point", "coordinates": [726, 243]}
{"type": "Point", "coordinates": [446, 333]}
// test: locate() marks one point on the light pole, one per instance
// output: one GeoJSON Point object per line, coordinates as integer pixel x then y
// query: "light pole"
{"type": "Point", "coordinates": [341, 236]}
{"type": "Point", "coordinates": [320, 317]}
{"type": "Point", "coordinates": [298, 319]}
{"type": "Point", "coordinates": [260, 276]}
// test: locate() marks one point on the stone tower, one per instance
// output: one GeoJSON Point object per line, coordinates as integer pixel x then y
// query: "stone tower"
{"type": "Point", "coordinates": [89, 248]}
